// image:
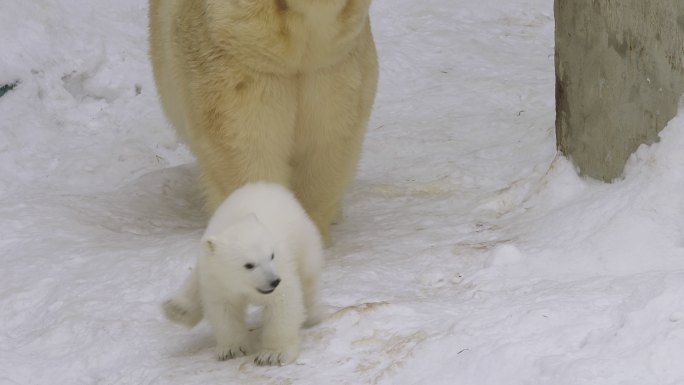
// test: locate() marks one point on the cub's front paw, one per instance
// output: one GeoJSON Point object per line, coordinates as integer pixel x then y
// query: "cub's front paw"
{"type": "Point", "coordinates": [276, 357]}
{"type": "Point", "coordinates": [230, 351]}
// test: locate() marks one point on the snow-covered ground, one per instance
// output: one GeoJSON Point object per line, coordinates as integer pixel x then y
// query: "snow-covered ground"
{"type": "Point", "coordinates": [471, 254]}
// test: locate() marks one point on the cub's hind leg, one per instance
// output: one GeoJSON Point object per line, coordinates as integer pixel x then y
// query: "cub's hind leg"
{"type": "Point", "coordinates": [185, 307]}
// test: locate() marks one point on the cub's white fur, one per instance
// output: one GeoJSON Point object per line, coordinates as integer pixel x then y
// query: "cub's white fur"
{"type": "Point", "coordinates": [260, 248]}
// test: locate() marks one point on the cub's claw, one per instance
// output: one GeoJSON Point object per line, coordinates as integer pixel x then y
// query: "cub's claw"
{"type": "Point", "coordinates": [274, 358]}
{"type": "Point", "coordinates": [230, 352]}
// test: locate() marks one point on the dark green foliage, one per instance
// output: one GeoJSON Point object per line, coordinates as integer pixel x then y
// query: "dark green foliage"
{"type": "Point", "coordinates": [5, 88]}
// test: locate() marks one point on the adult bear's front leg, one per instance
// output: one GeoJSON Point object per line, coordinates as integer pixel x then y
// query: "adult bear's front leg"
{"type": "Point", "coordinates": [243, 132]}
{"type": "Point", "coordinates": [334, 107]}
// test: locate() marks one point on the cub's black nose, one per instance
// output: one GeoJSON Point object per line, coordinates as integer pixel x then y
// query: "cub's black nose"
{"type": "Point", "coordinates": [275, 283]}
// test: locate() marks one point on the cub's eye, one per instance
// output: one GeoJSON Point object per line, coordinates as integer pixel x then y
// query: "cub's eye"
{"type": "Point", "coordinates": [249, 266]}
{"type": "Point", "coordinates": [272, 256]}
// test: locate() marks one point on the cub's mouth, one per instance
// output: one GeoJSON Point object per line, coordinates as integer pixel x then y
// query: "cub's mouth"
{"type": "Point", "coordinates": [266, 291]}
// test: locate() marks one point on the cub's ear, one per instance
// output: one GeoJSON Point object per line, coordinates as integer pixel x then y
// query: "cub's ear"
{"type": "Point", "coordinates": [209, 245]}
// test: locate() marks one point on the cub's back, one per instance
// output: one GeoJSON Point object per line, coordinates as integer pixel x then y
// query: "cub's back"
{"type": "Point", "coordinates": [275, 206]}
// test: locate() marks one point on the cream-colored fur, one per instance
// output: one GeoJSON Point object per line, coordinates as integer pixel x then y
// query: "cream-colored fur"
{"type": "Point", "coordinates": [274, 90]}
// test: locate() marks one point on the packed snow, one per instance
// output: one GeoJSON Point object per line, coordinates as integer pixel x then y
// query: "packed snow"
{"type": "Point", "coordinates": [471, 253]}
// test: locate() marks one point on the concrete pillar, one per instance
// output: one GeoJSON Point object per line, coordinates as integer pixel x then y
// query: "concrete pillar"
{"type": "Point", "coordinates": [619, 76]}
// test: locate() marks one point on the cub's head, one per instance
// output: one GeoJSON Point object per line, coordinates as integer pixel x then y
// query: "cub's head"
{"type": "Point", "coordinates": [244, 254]}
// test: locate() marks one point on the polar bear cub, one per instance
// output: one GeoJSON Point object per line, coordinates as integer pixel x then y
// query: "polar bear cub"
{"type": "Point", "coordinates": [260, 248]}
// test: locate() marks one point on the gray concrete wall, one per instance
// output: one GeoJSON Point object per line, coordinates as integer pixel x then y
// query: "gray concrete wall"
{"type": "Point", "coordinates": [620, 73]}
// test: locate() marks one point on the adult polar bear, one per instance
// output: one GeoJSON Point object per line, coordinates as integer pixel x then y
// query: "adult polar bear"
{"type": "Point", "coordinates": [273, 90]}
